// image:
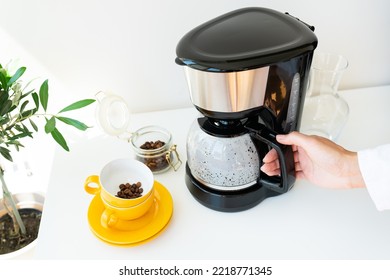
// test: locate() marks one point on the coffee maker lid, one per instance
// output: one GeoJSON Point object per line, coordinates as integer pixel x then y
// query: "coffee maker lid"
{"type": "Point", "coordinates": [245, 39]}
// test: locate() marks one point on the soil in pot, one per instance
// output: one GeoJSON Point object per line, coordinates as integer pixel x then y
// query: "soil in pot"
{"type": "Point", "coordinates": [11, 242]}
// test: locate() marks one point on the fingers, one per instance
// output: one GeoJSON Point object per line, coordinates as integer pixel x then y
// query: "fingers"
{"type": "Point", "coordinates": [270, 156]}
{"type": "Point", "coordinates": [271, 161]}
{"type": "Point", "coordinates": [271, 165]}
{"type": "Point", "coordinates": [271, 169]}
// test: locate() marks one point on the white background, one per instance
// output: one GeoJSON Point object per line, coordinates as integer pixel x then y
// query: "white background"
{"type": "Point", "coordinates": [128, 47]}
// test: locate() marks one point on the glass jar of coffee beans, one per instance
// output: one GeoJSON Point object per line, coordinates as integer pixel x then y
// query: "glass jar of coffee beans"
{"type": "Point", "coordinates": [153, 146]}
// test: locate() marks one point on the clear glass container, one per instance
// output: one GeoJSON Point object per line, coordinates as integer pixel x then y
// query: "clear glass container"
{"type": "Point", "coordinates": [230, 163]}
{"type": "Point", "coordinates": [153, 146]}
{"type": "Point", "coordinates": [325, 112]}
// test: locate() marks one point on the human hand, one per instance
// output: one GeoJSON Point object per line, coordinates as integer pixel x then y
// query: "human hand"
{"type": "Point", "coordinates": [318, 160]}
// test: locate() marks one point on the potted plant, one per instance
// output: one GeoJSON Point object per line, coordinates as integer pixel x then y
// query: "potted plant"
{"type": "Point", "coordinates": [20, 108]}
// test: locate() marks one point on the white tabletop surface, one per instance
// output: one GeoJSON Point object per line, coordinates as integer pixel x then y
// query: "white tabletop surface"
{"type": "Point", "coordinates": [308, 222]}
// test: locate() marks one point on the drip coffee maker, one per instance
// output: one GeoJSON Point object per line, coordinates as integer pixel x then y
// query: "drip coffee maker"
{"type": "Point", "coordinates": [247, 74]}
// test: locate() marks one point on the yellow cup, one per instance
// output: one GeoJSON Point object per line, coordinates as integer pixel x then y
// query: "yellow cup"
{"type": "Point", "coordinates": [113, 216]}
{"type": "Point", "coordinates": [106, 184]}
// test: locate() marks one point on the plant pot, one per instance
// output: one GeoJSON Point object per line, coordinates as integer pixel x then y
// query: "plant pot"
{"type": "Point", "coordinates": [26, 203]}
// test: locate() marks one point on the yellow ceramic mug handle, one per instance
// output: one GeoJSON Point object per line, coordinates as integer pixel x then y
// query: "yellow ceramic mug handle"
{"type": "Point", "coordinates": [112, 220]}
{"type": "Point", "coordinates": [93, 179]}
{"type": "Point", "coordinates": [108, 218]}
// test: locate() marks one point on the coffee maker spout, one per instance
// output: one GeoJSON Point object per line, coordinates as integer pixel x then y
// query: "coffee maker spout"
{"type": "Point", "coordinates": [286, 180]}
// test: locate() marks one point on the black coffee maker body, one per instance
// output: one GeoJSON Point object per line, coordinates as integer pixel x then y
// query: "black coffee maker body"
{"type": "Point", "coordinates": [247, 73]}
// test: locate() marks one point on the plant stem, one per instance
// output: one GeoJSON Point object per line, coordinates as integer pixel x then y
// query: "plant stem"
{"type": "Point", "coordinates": [13, 212]}
{"type": "Point", "coordinates": [15, 119]}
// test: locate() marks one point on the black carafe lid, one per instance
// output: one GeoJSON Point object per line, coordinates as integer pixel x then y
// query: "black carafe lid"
{"type": "Point", "coordinates": [245, 39]}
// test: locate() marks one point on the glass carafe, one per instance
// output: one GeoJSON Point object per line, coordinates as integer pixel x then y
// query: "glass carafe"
{"type": "Point", "coordinates": [224, 163]}
{"type": "Point", "coordinates": [325, 112]}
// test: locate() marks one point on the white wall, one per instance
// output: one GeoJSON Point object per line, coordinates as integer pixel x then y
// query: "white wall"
{"type": "Point", "coordinates": [128, 47]}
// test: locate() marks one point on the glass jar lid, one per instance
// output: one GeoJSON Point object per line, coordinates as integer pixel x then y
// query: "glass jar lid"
{"type": "Point", "coordinates": [112, 114]}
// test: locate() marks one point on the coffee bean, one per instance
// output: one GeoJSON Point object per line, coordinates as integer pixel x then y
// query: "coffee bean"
{"type": "Point", "coordinates": [129, 191]}
{"type": "Point", "coordinates": [157, 162]}
{"type": "Point", "coordinates": [151, 145]}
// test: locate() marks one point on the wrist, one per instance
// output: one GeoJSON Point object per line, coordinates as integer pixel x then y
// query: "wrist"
{"type": "Point", "coordinates": [354, 175]}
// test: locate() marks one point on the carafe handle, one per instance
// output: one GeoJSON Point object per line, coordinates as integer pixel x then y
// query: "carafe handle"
{"type": "Point", "coordinates": [285, 181]}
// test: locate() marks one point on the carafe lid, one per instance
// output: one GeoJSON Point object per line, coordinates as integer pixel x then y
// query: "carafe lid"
{"type": "Point", "coordinates": [245, 39]}
{"type": "Point", "coordinates": [112, 114]}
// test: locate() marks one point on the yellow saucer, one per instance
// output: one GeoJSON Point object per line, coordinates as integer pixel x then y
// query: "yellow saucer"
{"type": "Point", "coordinates": [136, 231]}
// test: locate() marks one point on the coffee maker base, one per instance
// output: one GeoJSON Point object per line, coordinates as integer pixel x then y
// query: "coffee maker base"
{"type": "Point", "coordinates": [226, 201]}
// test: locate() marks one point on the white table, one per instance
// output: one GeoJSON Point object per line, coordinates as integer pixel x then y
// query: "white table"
{"type": "Point", "coordinates": [306, 223]}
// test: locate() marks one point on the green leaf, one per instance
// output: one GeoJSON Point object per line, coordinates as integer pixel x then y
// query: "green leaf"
{"type": "Point", "coordinates": [50, 125]}
{"type": "Point", "coordinates": [5, 107]}
{"type": "Point", "coordinates": [4, 120]}
{"type": "Point", "coordinates": [13, 107]}
{"type": "Point", "coordinates": [28, 113]}
{"type": "Point", "coordinates": [8, 128]}
{"type": "Point", "coordinates": [21, 135]}
{"type": "Point", "coordinates": [33, 125]}
{"type": "Point", "coordinates": [6, 153]}
{"type": "Point", "coordinates": [16, 143]}
{"type": "Point", "coordinates": [59, 139]}
{"type": "Point", "coordinates": [24, 131]}
{"type": "Point", "coordinates": [36, 99]}
{"type": "Point", "coordinates": [19, 128]}
{"type": "Point", "coordinates": [77, 105]}
{"type": "Point", "coordinates": [23, 105]}
{"type": "Point", "coordinates": [3, 81]}
{"type": "Point", "coordinates": [27, 131]}
{"type": "Point", "coordinates": [26, 94]}
{"type": "Point", "coordinates": [3, 98]}
{"type": "Point", "coordinates": [44, 94]}
{"type": "Point", "coordinates": [77, 124]}
{"type": "Point", "coordinates": [16, 76]}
